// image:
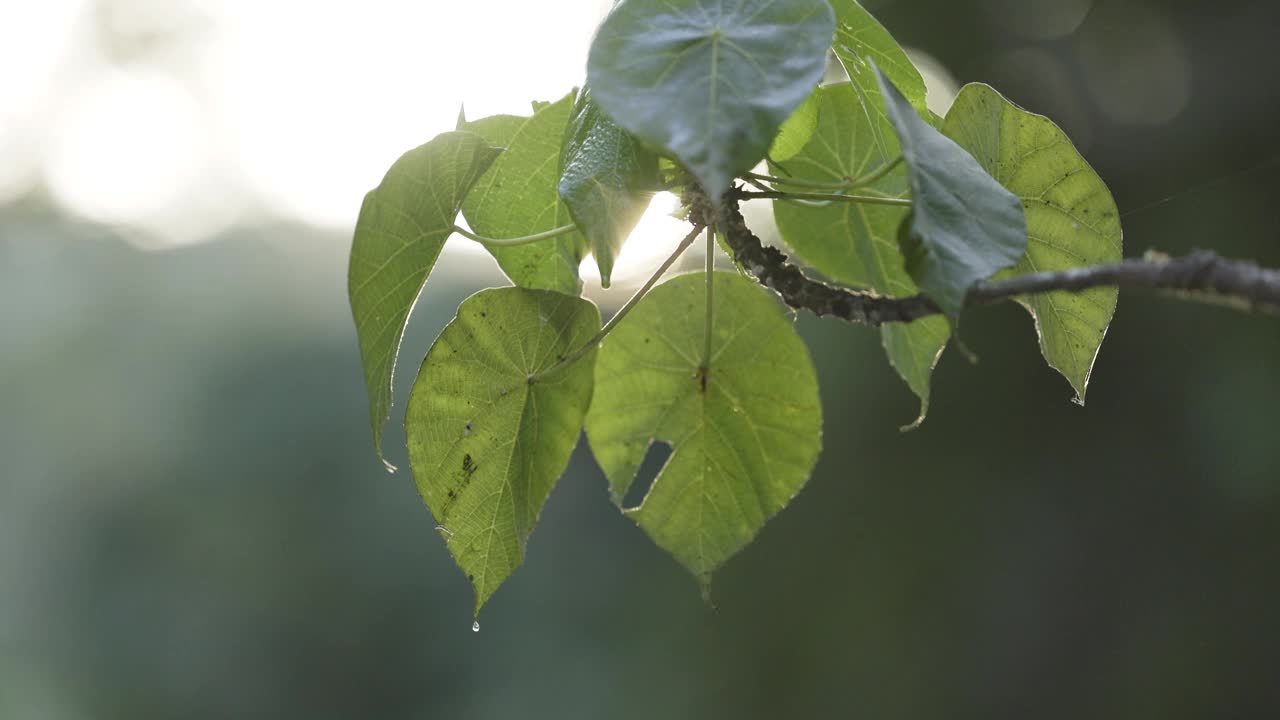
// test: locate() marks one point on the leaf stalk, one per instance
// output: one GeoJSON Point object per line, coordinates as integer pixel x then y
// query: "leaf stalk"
{"type": "Point", "coordinates": [635, 299]}
{"type": "Point", "coordinates": [816, 196]}
{"type": "Point", "coordinates": [869, 179]}
{"type": "Point", "coordinates": [513, 242]}
{"type": "Point", "coordinates": [711, 288]}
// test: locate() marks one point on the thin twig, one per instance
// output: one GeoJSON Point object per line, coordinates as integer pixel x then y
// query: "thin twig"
{"type": "Point", "coordinates": [589, 345]}
{"type": "Point", "coordinates": [846, 184]}
{"type": "Point", "coordinates": [1201, 276]}
{"type": "Point", "coordinates": [861, 199]}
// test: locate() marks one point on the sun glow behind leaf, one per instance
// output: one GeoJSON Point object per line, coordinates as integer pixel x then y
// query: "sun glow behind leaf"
{"type": "Point", "coordinates": [649, 244]}
{"type": "Point", "coordinates": [299, 109]}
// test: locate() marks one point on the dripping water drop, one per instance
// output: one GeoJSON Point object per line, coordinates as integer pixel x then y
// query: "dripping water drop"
{"type": "Point", "coordinates": [445, 530]}
{"type": "Point", "coordinates": [475, 626]}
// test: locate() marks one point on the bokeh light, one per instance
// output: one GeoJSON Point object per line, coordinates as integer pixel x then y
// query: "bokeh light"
{"type": "Point", "coordinates": [126, 147]}
{"type": "Point", "coordinates": [1135, 63]}
{"type": "Point", "coordinates": [1038, 19]}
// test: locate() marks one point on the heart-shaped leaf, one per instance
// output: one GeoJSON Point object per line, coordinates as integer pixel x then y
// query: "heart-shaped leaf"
{"type": "Point", "coordinates": [707, 81]}
{"type": "Point", "coordinates": [606, 180]}
{"type": "Point", "coordinates": [518, 196]}
{"type": "Point", "coordinates": [402, 226]}
{"type": "Point", "coordinates": [856, 243]}
{"type": "Point", "coordinates": [745, 430]}
{"type": "Point", "coordinates": [964, 226]}
{"type": "Point", "coordinates": [485, 443]}
{"type": "Point", "coordinates": [1071, 220]}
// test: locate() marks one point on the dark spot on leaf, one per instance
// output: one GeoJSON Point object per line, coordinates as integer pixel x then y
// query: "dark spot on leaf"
{"type": "Point", "coordinates": [468, 465]}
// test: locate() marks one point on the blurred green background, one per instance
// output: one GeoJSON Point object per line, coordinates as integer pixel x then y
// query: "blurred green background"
{"type": "Point", "coordinates": [193, 522]}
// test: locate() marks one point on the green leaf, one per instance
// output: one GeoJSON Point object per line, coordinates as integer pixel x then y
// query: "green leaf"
{"type": "Point", "coordinates": [485, 444]}
{"type": "Point", "coordinates": [1071, 220]}
{"type": "Point", "coordinates": [853, 243]}
{"type": "Point", "coordinates": [402, 226]}
{"type": "Point", "coordinates": [518, 197]}
{"type": "Point", "coordinates": [964, 226]}
{"type": "Point", "coordinates": [860, 39]}
{"type": "Point", "coordinates": [707, 81]}
{"type": "Point", "coordinates": [745, 435]}
{"type": "Point", "coordinates": [606, 180]}
{"type": "Point", "coordinates": [796, 131]}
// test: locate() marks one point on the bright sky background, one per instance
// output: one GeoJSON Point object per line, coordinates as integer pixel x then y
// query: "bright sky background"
{"type": "Point", "coordinates": [134, 110]}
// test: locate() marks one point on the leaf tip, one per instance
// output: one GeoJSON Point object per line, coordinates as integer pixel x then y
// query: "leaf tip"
{"type": "Point", "coordinates": [1078, 399]}
{"type": "Point", "coordinates": [915, 425]}
{"type": "Point", "coordinates": [604, 262]}
{"type": "Point", "coordinates": [704, 587]}
{"type": "Point", "coordinates": [482, 595]}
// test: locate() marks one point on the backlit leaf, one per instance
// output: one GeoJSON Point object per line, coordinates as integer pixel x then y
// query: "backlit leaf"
{"type": "Point", "coordinates": [402, 226]}
{"type": "Point", "coordinates": [606, 180]}
{"type": "Point", "coordinates": [1071, 220]}
{"type": "Point", "coordinates": [518, 196]}
{"type": "Point", "coordinates": [486, 445]}
{"type": "Point", "coordinates": [745, 433]}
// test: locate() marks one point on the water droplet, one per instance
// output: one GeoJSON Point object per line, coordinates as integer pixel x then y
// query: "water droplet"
{"type": "Point", "coordinates": [1075, 226]}
{"type": "Point", "coordinates": [475, 626]}
{"type": "Point", "coordinates": [445, 530]}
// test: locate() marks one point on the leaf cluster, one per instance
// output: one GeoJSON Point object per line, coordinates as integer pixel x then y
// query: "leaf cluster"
{"type": "Point", "coordinates": [723, 101]}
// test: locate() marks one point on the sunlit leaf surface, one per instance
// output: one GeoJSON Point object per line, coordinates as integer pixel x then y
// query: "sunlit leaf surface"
{"type": "Point", "coordinates": [402, 227]}
{"type": "Point", "coordinates": [486, 445]}
{"type": "Point", "coordinates": [1071, 219]}
{"type": "Point", "coordinates": [518, 196]}
{"type": "Point", "coordinates": [745, 431]}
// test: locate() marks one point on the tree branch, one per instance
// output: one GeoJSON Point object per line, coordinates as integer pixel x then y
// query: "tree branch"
{"type": "Point", "coordinates": [1201, 276]}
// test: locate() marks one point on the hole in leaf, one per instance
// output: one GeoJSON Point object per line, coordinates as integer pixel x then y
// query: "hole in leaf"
{"type": "Point", "coordinates": [654, 459]}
